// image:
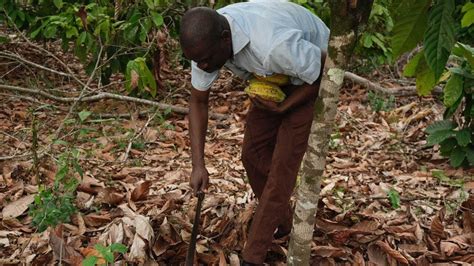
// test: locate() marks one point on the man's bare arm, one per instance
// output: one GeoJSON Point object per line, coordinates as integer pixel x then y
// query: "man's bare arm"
{"type": "Point", "coordinates": [198, 120]}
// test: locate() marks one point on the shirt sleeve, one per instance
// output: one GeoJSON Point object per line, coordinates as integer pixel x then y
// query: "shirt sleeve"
{"type": "Point", "coordinates": [200, 79]}
{"type": "Point", "coordinates": [294, 56]}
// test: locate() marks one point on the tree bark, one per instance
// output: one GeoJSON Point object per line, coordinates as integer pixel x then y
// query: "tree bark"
{"type": "Point", "coordinates": [347, 19]}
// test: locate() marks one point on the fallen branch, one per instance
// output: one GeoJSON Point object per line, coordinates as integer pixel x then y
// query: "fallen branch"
{"type": "Point", "coordinates": [400, 91]}
{"type": "Point", "coordinates": [106, 95]}
{"type": "Point", "coordinates": [16, 57]}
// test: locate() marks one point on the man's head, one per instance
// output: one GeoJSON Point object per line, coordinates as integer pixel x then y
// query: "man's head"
{"type": "Point", "coordinates": [205, 38]}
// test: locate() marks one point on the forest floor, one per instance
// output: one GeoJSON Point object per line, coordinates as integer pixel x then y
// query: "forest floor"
{"type": "Point", "coordinates": [386, 198]}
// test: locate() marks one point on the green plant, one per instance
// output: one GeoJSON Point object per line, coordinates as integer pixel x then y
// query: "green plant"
{"type": "Point", "coordinates": [55, 205]}
{"type": "Point", "coordinates": [335, 141]}
{"type": "Point", "coordinates": [124, 30]}
{"type": "Point", "coordinates": [374, 42]}
{"type": "Point", "coordinates": [394, 198]}
{"type": "Point", "coordinates": [378, 103]}
{"type": "Point", "coordinates": [107, 253]}
{"type": "Point", "coordinates": [442, 60]}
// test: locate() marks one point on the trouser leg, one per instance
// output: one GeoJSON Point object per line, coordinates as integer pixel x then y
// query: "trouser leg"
{"type": "Point", "coordinates": [259, 141]}
{"type": "Point", "coordinates": [290, 146]}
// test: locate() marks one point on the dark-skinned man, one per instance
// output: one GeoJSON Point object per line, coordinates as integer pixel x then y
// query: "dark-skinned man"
{"type": "Point", "coordinates": [258, 39]}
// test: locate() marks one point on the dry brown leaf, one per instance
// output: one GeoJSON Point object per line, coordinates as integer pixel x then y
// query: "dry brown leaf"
{"type": "Point", "coordinates": [437, 227]}
{"type": "Point", "coordinates": [141, 191]}
{"type": "Point", "coordinates": [367, 226]}
{"type": "Point", "coordinates": [97, 220]}
{"type": "Point", "coordinates": [143, 227]}
{"type": "Point", "coordinates": [376, 255]}
{"type": "Point", "coordinates": [392, 252]}
{"type": "Point", "coordinates": [457, 243]}
{"type": "Point", "coordinates": [221, 109]}
{"type": "Point", "coordinates": [138, 250]}
{"type": "Point", "coordinates": [340, 237]}
{"type": "Point", "coordinates": [160, 246]}
{"type": "Point", "coordinates": [109, 195]}
{"type": "Point", "coordinates": [61, 248]}
{"type": "Point", "coordinates": [328, 251]}
{"type": "Point", "coordinates": [358, 259]}
{"type": "Point", "coordinates": [18, 207]}
{"type": "Point", "coordinates": [86, 252]}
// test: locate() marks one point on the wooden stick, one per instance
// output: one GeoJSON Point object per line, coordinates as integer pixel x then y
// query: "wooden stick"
{"type": "Point", "coordinates": [400, 91]}
{"type": "Point", "coordinates": [106, 95]}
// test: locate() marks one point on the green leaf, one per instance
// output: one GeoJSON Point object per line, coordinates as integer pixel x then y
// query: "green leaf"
{"type": "Point", "coordinates": [453, 90]}
{"type": "Point", "coordinates": [463, 137]}
{"type": "Point", "coordinates": [394, 198]}
{"type": "Point", "coordinates": [468, 18]}
{"type": "Point", "coordinates": [108, 256]}
{"type": "Point", "coordinates": [425, 78]}
{"type": "Point", "coordinates": [438, 136]}
{"type": "Point", "coordinates": [410, 24]}
{"type": "Point", "coordinates": [90, 261]}
{"type": "Point", "coordinates": [78, 168]}
{"type": "Point", "coordinates": [447, 145]}
{"type": "Point", "coordinates": [367, 40]}
{"type": "Point", "coordinates": [142, 35]}
{"type": "Point", "coordinates": [440, 125]}
{"type": "Point", "coordinates": [157, 18]}
{"type": "Point", "coordinates": [35, 32]}
{"type": "Point", "coordinates": [410, 68]}
{"type": "Point", "coordinates": [72, 31]}
{"type": "Point", "coordinates": [50, 31]}
{"type": "Point", "coordinates": [457, 157]}
{"type": "Point", "coordinates": [58, 3]}
{"type": "Point", "coordinates": [462, 71]}
{"type": "Point", "coordinates": [440, 37]}
{"type": "Point", "coordinates": [150, 4]}
{"type": "Point", "coordinates": [84, 114]}
{"type": "Point", "coordinates": [118, 247]}
{"type": "Point", "coordinates": [470, 155]}
{"type": "Point", "coordinates": [465, 51]}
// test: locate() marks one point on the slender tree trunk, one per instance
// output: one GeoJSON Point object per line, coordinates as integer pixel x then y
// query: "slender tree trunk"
{"type": "Point", "coordinates": [347, 18]}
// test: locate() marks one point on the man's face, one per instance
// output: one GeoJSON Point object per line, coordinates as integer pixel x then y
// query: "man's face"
{"type": "Point", "coordinates": [208, 56]}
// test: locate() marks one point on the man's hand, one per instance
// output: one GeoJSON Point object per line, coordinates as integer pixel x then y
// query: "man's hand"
{"type": "Point", "coordinates": [199, 179]}
{"type": "Point", "coordinates": [261, 103]}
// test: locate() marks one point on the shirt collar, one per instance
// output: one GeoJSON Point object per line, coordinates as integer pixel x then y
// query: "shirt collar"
{"type": "Point", "coordinates": [239, 37]}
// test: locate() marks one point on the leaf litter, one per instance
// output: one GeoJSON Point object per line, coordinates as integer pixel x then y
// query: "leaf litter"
{"type": "Point", "coordinates": [146, 203]}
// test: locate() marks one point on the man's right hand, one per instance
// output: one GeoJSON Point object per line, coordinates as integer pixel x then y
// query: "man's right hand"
{"type": "Point", "coordinates": [199, 179]}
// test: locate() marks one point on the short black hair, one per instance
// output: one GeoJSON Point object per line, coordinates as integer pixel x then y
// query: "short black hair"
{"type": "Point", "coordinates": [200, 24]}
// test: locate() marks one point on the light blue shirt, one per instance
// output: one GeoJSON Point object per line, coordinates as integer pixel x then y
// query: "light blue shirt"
{"type": "Point", "coordinates": [270, 38]}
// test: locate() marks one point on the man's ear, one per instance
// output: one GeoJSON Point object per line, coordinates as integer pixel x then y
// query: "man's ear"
{"type": "Point", "coordinates": [226, 36]}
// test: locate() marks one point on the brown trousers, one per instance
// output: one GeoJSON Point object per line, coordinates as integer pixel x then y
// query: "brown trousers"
{"type": "Point", "coordinates": [273, 148]}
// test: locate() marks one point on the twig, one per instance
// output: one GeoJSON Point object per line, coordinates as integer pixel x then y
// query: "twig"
{"type": "Point", "coordinates": [129, 146]}
{"type": "Point", "coordinates": [106, 95]}
{"type": "Point", "coordinates": [400, 91]}
{"type": "Point", "coordinates": [23, 98]}
{"type": "Point", "coordinates": [78, 99]}
{"type": "Point", "coordinates": [34, 147]}
{"type": "Point", "coordinates": [47, 52]}
{"type": "Point", "coordinates": [23, 60]}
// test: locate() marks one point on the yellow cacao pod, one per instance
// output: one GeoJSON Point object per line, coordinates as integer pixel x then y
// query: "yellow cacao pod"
{"type": "Point", "coordinates": [266, 90]}
{"type": "Point", "coordinates": [278, 79]}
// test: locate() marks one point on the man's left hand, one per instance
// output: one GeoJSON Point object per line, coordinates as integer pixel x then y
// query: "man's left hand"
{"type": "Point", "coordinates": [261, 103]}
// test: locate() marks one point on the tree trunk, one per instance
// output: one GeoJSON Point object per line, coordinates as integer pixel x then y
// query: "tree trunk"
{"type": "Point", "coordinates": [347, 19]}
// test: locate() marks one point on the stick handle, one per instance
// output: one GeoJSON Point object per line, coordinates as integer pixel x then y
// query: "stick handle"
{"type": "Point", "coordinates": [192, 242]}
